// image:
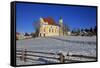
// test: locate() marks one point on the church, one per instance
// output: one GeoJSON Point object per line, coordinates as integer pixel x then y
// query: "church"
{"type": "Point", "coordinates": [48, 27]}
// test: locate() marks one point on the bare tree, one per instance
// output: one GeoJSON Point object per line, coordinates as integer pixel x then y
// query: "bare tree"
{"type": "Point", "coordinates": [66, 29]}
{"type": "Point", "coordinates": [36, 26]}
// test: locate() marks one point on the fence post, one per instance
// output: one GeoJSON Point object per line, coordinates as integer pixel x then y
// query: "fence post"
{"type": "Point", "coordinates": [23, 57]}
{"type": "Point", "coordinates": [25, 54]}
{"type": "Point", "coordinates": [68, 55]}
{"type": "Point", "coordinates": [61, 58]}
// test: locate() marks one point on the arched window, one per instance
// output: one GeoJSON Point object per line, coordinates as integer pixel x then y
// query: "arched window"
{"type": "Point", "coordinates": [44, 29]}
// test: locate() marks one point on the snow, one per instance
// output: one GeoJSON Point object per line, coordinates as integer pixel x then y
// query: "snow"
{"type": "Point", "coordinates": [79, 45]}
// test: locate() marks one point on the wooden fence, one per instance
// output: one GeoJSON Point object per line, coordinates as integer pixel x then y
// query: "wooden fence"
{"type": "Point", "coordinates": [24, 55]}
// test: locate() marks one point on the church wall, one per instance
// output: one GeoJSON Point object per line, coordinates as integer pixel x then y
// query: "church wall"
{"type": "Point", "coordinates": [49, 30]}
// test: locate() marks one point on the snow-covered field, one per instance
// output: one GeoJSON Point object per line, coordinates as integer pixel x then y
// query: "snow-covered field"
{"type": "Point", "coordinates": [66, 44]}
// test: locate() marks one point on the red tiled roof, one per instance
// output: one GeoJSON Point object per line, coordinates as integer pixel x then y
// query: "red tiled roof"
{"type": "Point", "coordinates": [50, 21]}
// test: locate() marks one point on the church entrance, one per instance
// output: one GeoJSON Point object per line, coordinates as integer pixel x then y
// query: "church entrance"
{"type": "Point", "coordinates": [44, 35]}
{"type": "Point", "coordinates": [40, 34]}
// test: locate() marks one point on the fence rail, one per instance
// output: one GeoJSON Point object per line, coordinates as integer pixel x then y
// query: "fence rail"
{"type": "Point", "coordinates": [25, 54]}
{"type": "Point", "coordinates": [83, 56]}
{"type": "Point", "coordinates": [37, 52]}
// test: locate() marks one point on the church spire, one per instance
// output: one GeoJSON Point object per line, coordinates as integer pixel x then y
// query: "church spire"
{"type": "Point", "coordinates": [60, 17]}
{"type": "Point", "coordinates": [60, 21]}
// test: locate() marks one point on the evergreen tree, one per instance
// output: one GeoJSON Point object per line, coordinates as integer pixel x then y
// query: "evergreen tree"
{"type": "Point", "coordinates": [72, 31]}
{"type": "Point", "coordinates": [91, 30]}
{"type": "Point", "coordinates": [86, 29]}
{"type": "Point", "coordinates": [82, 30]}
{"type": "Point", "coordinates": [26, 34]}
{"type": "Point", "coordinates": [95, 29]}
{"type": "Point", "coordinates": [78, 30]}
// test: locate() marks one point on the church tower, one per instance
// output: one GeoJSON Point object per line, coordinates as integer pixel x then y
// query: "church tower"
{"type": "Point", "coordinates": [60, 21]}
{"type": "Point", "coordinates": [61, 26]}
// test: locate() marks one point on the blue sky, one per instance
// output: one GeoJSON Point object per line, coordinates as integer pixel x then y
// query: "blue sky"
{"type": "Point", "coordinates": [74, 16]}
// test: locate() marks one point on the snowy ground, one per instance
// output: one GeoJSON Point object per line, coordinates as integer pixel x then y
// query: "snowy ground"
{"type": "Point", "coordinates": [68, 44]}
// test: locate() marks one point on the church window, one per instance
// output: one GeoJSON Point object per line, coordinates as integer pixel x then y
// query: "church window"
{"type": "Point", "coordinates": [49, 30]}
{"type": "Point", "coordinates": [52, 30]}
{"type": "Point", "coordinates": [44, 29]}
